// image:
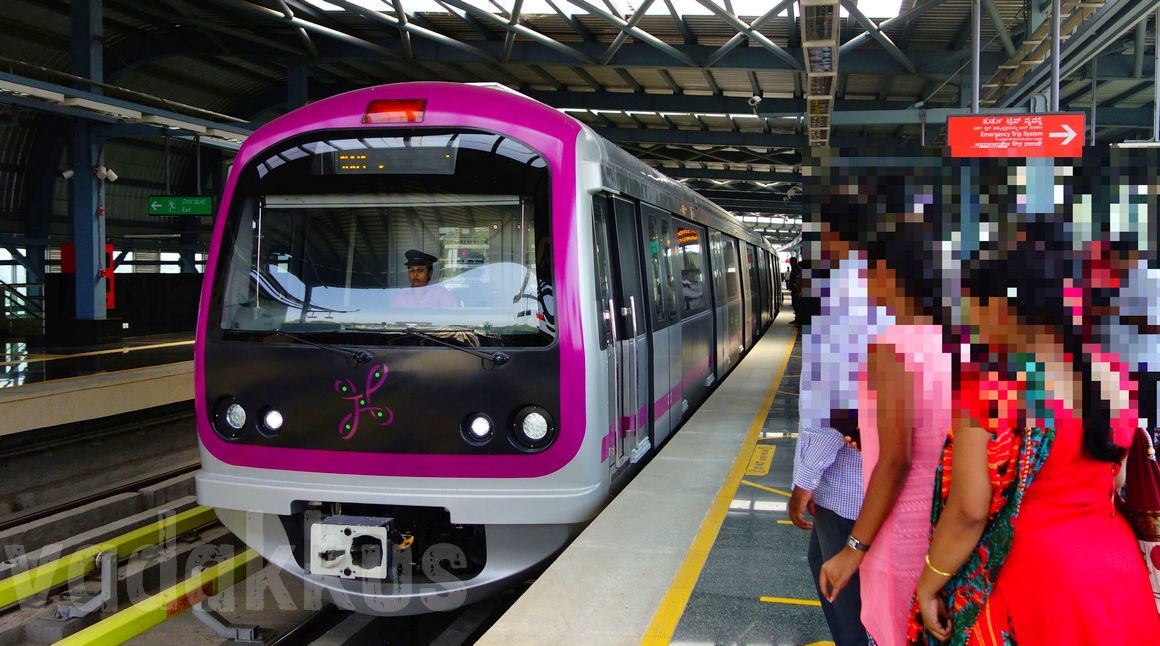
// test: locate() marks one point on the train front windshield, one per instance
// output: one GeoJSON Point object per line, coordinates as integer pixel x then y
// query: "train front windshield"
{"type": "Point", "coordinates": [332, 235]}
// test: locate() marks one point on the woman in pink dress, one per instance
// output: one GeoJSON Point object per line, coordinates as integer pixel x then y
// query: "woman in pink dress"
{"type": "Point", "coordinates": [1029, 547]}
{"type": "Point", "coordinates": [904, 408]}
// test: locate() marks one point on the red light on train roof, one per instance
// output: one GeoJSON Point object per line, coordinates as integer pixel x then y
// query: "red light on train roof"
{"type": "Point", "coordinates": [395, 111]}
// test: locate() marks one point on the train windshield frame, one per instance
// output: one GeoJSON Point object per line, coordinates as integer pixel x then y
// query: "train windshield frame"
{"type": "Point", "coordinates": [321, 230]}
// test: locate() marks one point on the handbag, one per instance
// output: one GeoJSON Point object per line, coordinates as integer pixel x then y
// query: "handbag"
{"type": "Point", "coordinates": [1141, 503]}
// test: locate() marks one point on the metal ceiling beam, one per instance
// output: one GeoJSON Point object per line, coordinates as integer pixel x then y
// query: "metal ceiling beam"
{"type": "Point", "coordinates": [751, 33]}
{"type": "Point", "coordinates": [404, 33]}
{"type": "Point", "coordinates": [277, 17]}
{"type": "Point", "coordinates": [521, 30]}
{"type": "Point", "coordinates": [876, 33]}
{"type": "Point", "coordinates": [679, 20]}
{"type": "Point", "coordinates": [623, 35]}
{"type": "Point", "coordinates": [1108, 24]}
{"type": "Point", "coordinates": [1000, 28]}
{"type": "Point", "coordinates": [740, 37]}
{"type": "Point", "coordinates": [636, 32]}
{"type": "Point", "coordinates": [302, 35]}
{"type": "Point", "coordinates": [382, 18]}
{"type": "Point", "coordinates": [710, 173]}
{"type": "Point", "coordinates": [864, 37]}
{"type": "Point", "coordinates": [702, 137]}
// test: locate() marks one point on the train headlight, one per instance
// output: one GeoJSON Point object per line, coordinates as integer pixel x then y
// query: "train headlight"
{"type": "Point", "coordinates": [534, 429]}
{"type": "Point", "coordinates": [477, 429]}
{"type": "Point", "coordinates": [229, 419]}
{"type": "Point", "coordinates": [270, 422]}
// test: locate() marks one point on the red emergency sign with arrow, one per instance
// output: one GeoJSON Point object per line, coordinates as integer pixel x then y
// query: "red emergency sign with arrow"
{"type": "Point", "coordinates": [1017, 135]}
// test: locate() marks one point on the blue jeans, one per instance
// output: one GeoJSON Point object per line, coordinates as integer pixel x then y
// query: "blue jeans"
{"type": "Point", "coordinates": [844, 616]}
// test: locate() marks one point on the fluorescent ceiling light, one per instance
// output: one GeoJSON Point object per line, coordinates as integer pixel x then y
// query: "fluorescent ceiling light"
{"type": "Point", "coordinates": [30, 90]}
{"type": "Point", "coordinates": [159, 120]}
{"type": "Point", "coordinates": [97, 106]}
{"type": "Point", "coordinates": [744, 8]}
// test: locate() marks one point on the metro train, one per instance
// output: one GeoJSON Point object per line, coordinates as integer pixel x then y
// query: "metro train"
{"type": "Point", "coordinates": [401, 454]}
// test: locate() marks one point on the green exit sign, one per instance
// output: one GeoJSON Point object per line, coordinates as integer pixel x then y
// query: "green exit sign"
{"type": "Point", "coordinates": [180, 205]}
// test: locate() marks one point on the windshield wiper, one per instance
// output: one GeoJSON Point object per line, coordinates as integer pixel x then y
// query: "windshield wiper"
{"type": "Point", "coordinates": [497, 358]}
{"type": "Point", "coordinates": [359, 356]}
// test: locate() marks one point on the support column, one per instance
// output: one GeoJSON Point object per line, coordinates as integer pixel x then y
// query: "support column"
{"type": "Point", "coordinates": [86, 192]}
{"type": "Point", "coordinates": [297, 86]}
{"type": "Point", "coordinates": [88, 221]}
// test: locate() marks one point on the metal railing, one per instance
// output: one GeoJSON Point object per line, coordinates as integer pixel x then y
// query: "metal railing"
{"type": "Point", "coordinates": [21, 309]}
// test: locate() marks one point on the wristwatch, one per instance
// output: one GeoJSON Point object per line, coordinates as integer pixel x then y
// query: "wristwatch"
{"type": "Point", "coordinates": [856, 544]}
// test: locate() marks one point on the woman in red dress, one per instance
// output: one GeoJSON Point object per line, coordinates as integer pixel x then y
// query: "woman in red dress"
{"type": "Point", "coordinates": [1029, 547]}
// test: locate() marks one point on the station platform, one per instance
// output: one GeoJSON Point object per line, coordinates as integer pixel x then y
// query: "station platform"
{"type": "Point", "coordinates": [41, 388]}
{"type": "Point", "coordinates": [698, 548]}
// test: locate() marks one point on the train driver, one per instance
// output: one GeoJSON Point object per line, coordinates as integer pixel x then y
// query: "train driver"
{"type": "Point", "coordinates": [420, 269]}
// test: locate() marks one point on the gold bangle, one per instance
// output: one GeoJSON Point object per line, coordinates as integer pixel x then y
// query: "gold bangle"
{"type": "Point", "coordinates": [936, 570]}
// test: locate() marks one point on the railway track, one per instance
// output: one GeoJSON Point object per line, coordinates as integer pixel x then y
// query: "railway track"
{"type": "Point", "coordinates": [145, 542]}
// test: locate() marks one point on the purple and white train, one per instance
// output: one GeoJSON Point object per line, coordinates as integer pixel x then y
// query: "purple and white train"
{"type": "Point", "coordinates": [400, 453]}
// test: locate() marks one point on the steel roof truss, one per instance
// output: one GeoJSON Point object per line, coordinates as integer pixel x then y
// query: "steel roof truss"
{"type": "Point", "coordinates": [510, 39]}
{"type": "Point", "coordinates": [623, 35]}
{"type": "Point", "coordinates": [754, 35]}
{"type": "Point", "coordinates": [683, 26]}
{"type": "Point", "coordinates": [911, 15]}
{"type": "Point", "coordinates": [302, 35]}
{"type": "Point", "coordinates": [740, 37]}
{"type": "Point", "coordinates": [404, 34]}
{"type": "Point", "coordinates": [521, 30]}
{"type": "Point", "coordinates": [636, 32]}
{"type": "Point", "coordinates": [876, 33]}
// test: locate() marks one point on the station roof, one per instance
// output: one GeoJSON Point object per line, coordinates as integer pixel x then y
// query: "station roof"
{"type": "Point", "coordinates": [675, 82]}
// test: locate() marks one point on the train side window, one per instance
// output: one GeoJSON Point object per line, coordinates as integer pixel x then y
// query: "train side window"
{"type": "Point", "coordinates": [654, 252]}
{"type": "Point", "coordinates": [691, 261]}
{"type": "Point", "coordinates": [669, 252]}
{"type": "Point", "coordinates": [603, 261]}
{"type": "Point", "coordinates": [732, 273]}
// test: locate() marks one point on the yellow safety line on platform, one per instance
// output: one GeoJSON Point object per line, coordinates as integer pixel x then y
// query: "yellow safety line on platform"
{"type": "Point", "coordinates": [142, 616]}
{"type": "Point", "coordinates": [125, 350]}
{"type": "Point", "coordinates": [792, 602]}
{"type": "Point", "coordinates": [80, 563]}
{"type": "Point", "coordinates": [672, 606]}
{"type": "Point", "coordinates": [765, 488]}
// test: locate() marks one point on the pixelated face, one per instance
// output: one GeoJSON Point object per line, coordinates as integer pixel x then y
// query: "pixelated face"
{"type": "Point", "coordinates": [419, 275]}
{"type": "Point", "coordinates": [997, 250]}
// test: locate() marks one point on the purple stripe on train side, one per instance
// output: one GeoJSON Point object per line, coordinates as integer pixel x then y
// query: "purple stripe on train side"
{"type": "Point", "coordinates": [539, 126]}
{"type": "Point", "coordinates": [672, 399]}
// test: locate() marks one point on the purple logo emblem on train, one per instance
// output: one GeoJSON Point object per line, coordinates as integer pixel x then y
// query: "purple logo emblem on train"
{"type": "Point", "coordinates": [376, 376]}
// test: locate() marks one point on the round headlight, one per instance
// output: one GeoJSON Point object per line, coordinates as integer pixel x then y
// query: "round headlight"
{"type": "Point", "coordinates": [271, 421]}
{"type": "Point", "coordinates": [235, 416]}
{"type": "Point", "coordinates": [535, 426]}
{"type": "Point", "coordinates": [534, 429]}
{"type": "Point", "coordinates": [229, 420]}
{"type": "Point", "coordinates": [477, 429]}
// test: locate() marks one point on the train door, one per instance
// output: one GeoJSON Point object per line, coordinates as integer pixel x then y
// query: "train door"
{"type": "Point", "coordinates": [697, 357]}
{"type": "Point", "coordinates": [665, 335]}
{"type": "Point", "coordinates": [765, 300]}
{"type": "Point", "coordinates": [730, 321]}
{"type": "Point", "coordinates": [638, 350]}
{"type": "Point", "coordinates": [720, 315]}
{"type": "Point", "coordinates": [752, 294]}
{"type": "Point", "coordinates": [622, 303]}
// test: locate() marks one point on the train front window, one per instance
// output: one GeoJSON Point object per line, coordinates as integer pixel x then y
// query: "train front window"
{"type": "Point", "coordinates": [371, 237]}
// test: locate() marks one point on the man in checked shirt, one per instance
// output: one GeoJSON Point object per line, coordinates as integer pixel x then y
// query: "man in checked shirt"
{"type": "Point", "coordinates": [827, 478]}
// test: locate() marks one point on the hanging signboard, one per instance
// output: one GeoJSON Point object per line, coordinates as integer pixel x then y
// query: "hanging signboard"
{"type": "Point", "coordinates": [1017, 135]}
{"type": "Point", "coordinates": [180, 205]}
